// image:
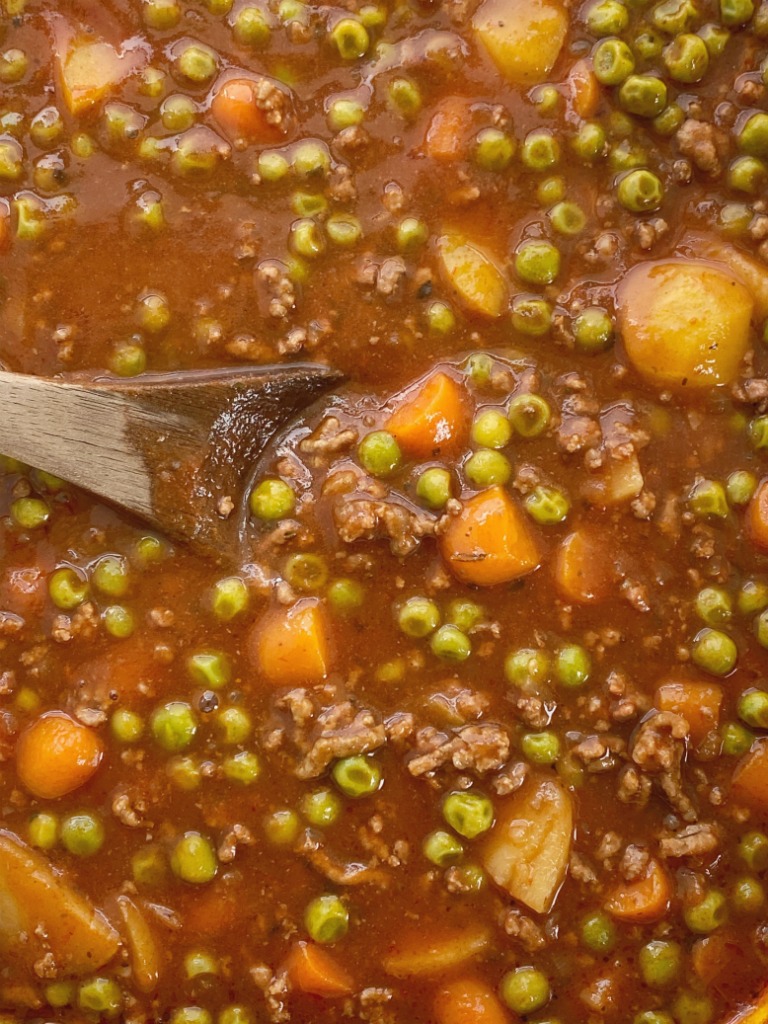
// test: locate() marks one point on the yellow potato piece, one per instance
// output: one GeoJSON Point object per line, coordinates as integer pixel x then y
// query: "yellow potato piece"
{"type": "Point", "coordinates": [426, 952]}
{"type": "Point", "coordinates": [40, 913]}
{"type": "Point", "coordinates": [479, 283]}
{"type": "Point", "coordinates": [685, 324]}
{"type": "Point", "coordinates": [89, 72]}
{"type": "Point", "coordinates": [528, 848]}
{"type": "Point", "coordinates": [523, 37]}
{"type": "Point", "coordinates": [752, 272]}
{"type": "Point", "coordinates": [145, 957]}
{"type": "Point", "coordinates": [617, 481]}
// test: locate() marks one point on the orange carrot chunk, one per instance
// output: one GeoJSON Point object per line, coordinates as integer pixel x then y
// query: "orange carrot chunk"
{"type": "Point", "coordinates": [698, 703]}
{"type": "Point", "coordinates": [490, 541]}
{"type": "Point", "coordinates": [312, 969]}
{"type": "Point", "coordinates": [757, 517]}
{"type": "Point", "coordinates": [291, 646]}
{"type": "Point", "coordinates": [235, 106]}
{"type": "Point", "coordinates": [468, 1001]}
{"type": "Point", "coordinates": [56, 755]}
{"type": "Point", "coordinates": [750, 776]}
{"type": "Point", "coordinates": [431, 421]}
{"type": "Point", "coordinates": [582, 568]}
{"type": "Point", "coordinates": [445, 135]}
{"type": "Point", "coordinates": [644, 900]}
{"type": "Point", "coordinates": [584, 89]}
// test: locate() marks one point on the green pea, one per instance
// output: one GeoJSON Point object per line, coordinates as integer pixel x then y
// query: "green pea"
{"type": "Point", "coordinates": [184, 773]}
{"type": "Point", "coordinates": [550, 190]}
{"type": "Point", "coordinates": [686, 58]}
{"type": "Point", "coordinates": [540, 747]}
{"type": "Point", "coordinates": [251, 27]}
{"type": "Point", "coordinates": [307, 239]}
{"type": "Point", "coordinates": [119, 621]}
{"type": "Point", "coordinates": [306, 572]}
{"type": "Point", "coordinates": [669, 120]}
{"type": "Point", "coordinates": [752, 597]}
{"type": "Point", "coordinates": [525, 990]}
{"type": "Point", "coordinates": [748, 174]}
{"type": "Point", "coordinates": [626, 156]}
{"type": "Point", "coordinates": [350, 38]}
{"type": "Point", "coordinates": [736, 739]}
{"type": "Point", "coordinates": [433, 487]}
{"type": "Point", "coordinates": [674, 16]}
{"type": "Point", "coordinates": [110, 576]}
{"type": "Point", "coordinates": [540, 150]}
{"type": "Point", "coordinates": [740, 486]}
{"type": "Point", "coordinates": [405, 97]}
{"type": "Point", "coordinates": [230, 598]}
{"type": "Point", "coordinates": [547, 505]}
{"type": "Point", "coordinates": [234, 1015]}
{"type": "Point", "coordinates": [487, 468]}
{"type": "Point", "coordinates": [321, 807]}
{"type": "Point", "coordinates": [356, 776]}
{"type": "Point", "coordinates": [128, 360]}
{"type": "Point", "coordinates": [234, 725]}
{"type": "Point", "coordinates": [43, 830]}
{"type": "Point", "coordinates": [529, 415]}
{"type": "Point", "coordinates": [640, 191]}
{"type": "Point", "coordinates": [198, 963]}
{"type": "Point", "coordinates": [734, 218]}
{"type": "Point", "coordinates": [442, 849]}
{"type": "Point", "coordinates": [468, 813]}
{"type": "Point", "coordinates": [272, 166]}
{"type": "Point", "coordinates": [345, 113]}
{"type": "Point", "coordinates": [714, 651]}
{"type": "Point", "coordinates": [753, 850]}
{"type": "Point", "coordinates": [692, 1008]}
{"type": "Point", "coordinates": [491, 429]}
{"type": "Point", "coordinates": [67, 588]}
{"type": "Point", "coordinates": [272, 499]}
{"type": "Point", "coordinates": [464, 614]}
{"type": "Point", "coordinates": [713, 605]}
{"type": "Point", "coordinates": [531, 315]}
{"type": "Point", "coordinates": [379, 453]}
{"type": "Point", "coordinates": [193, 859]}
{"type": "Point", "coordinates": [715, 37]}
{"type": "Point", "coordinates": [243, 767]}
{"type": "Point", "coordinates": [82, 834]}
{"type": "Point", "coordinates": [101, 996]}
{"type": "Point", "coordinates": [537, 262]}
{"type": "Point", "coordinates": [46, 128]}
{"type": "Point", "coordinates": [598, 932]}
{"type": "Point", "coordinates": [660, 963]}
{"type": "Point", "coordinates": [345, 595]}
{"type": "Point", "coordinates": [191, 1015]}
{"type": "Point", "coordinates": [13, 66]}
{"type": "Point", "coordinates": [326, 919]}
{"type": "Point", "coordinates": [761, 628]}
{"type": "Point", "coordinates": [748, 896]}
{"type": "Point", "coordinates": [526, 667]}
{"type": "Point", "coordinates": [494, 150]}
{"type": "Point", "coordinates": [127, 726]}
{"type": "Point", "coordinates": [418, 617]}
{"type": "Point", "coordinates": [197, 63]}
{"type": "Point", "coordinates": [148, 867]}
{"type": "Point", "coordinates": [643, 95]}
{"type": "Point", "coordinates": [470, 877]}
{"type": "Point", "coordinates": [752, 708]}
{"type": "Point", "coordinates": [593, 330]}
{"type": "Point", "coordinates": [547, 99]}
{"type": "Point", "coordinates": [612, 61]}
{"type": "Point", "coordinates": [573, 666]}
{"type": "Point", "coordinates": [210, 669]}
{"type": "Point", "coordinates": [60, 993]}
{"type": "Point", "coordinates": [736, 12]}
{"type": "Point", "coordinates": [30, 513]}
{"type": "Point", "coordinates": [479, 368]}
{"type": "Point", "coordinates": [607, 18]}
{"type": "Point", "coordinates": [568, 219]}
{"type": "Point", "coordinates": [448, 642]}
{"type": "Point", "coordinates": [343, 230]}
{"type": "Point", "coordinates": [708, 500]}
{"type": "Point", "coordinates": [589, 141]}
{"type": "Point", "coordinates": [753, 137]}
{"type": "Point", "coordinates": [174, 726]}
{"type": "Point", "coordinates": [758, 432]}
{"type": "Point", "coordinates": [707, 915]}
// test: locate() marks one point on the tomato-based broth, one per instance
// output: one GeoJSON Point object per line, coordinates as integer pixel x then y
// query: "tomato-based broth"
{"type": "Point", "coordinates": [478, 730]}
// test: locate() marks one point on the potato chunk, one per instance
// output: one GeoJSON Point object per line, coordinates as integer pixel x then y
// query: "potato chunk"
{"type": "Point", "coordinates": [89, 71]}
{"type": "Point", "coordinates": [617, 481]}
{"type": "Point", "coordinates": [145, 956]}
{"type": "Point", "coordinates": [479, 284]}
{"type": "Point", "coordinates": [752, 272]}
{"type": "Point", "coordinates": [39, 912]}
{"type": "Point", "coordinates": [528, 848]}
{"type": "Point", "coordinates": [418, 953]}
{"type": "Point", "coordinates": [523, 37]}
{"type": "Point", "coordinates": [684, 323]}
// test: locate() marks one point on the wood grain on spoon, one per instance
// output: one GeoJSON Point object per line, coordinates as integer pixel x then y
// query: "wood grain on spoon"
{"type": "Point", "coordinates": [175, 449]}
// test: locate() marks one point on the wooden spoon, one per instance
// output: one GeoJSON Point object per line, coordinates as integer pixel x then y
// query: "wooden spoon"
{"type": "Point", "coordinates": [175, 449]}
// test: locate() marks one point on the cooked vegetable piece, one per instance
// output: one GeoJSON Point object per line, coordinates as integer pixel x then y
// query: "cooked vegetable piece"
{"type": "Point", "coordinates": [468, 1001]}
{"type": "Point", "coordinates": [685, 323]}
{"type": "Point", "coordinates": [145, 955]}
{"type": "Point", "coordinates": [241, 116]}
{"type": "Point", "coordinates": [699, 704]}
{"type": "Point", "coordinates": [490, 540]}
{"type": "Point", "coordinates": [477, 279]}
{"type": "Point", "coordinates": [41, 912]}
{"type": "Point", "coordinates": [290, 646]}
{"type": "Point", "coordinates": [583, 568]}
{"type": "Point", "coordinates": [617, 481]}
{"type": "Point", "coordinates": [751, 272]}
{"type": "Point", "coordinates": [523, 37]}
{"type": "Point", "coordinates": [312, 969]}
{"type": "Point", "coordinates": [757, 517]}
{"type": "Point", "coordinates": [431, 420]}
{"type": "Point", "coordinates": [644, 900]}
{"type": "Point", "coordinates": [416, 954]}
{"type": "Point", "coordinates": [56, 754]}
{"type": "Point", "coordinates": [445, 138]}
{"type": "Point", "coordinates": [528, 848]}
{"type": "Point", "coordinates": [89, 71]}
{"type": "Point", "coordinates": [750, 777]}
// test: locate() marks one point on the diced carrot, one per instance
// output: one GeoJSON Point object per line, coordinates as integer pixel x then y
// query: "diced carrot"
{"type": "Point", "coordinates": [433, 420]}
{"type": "Point", "coordinates": [312, 969]}
{"type": "Point", "coordinates": [5, 225]}
{"type": "Point", "coordinates": [445, 139]}
{"type": "Point", "coordinates": [468, 1001]}
{"type": "Point", "coordinates": [490, 541]}
{"type": "Point", "coordinates": [56, 755]}
{"type": "Point", "coordinates": [750, 776]}
{"type": "Point", "coordinates": [89, 70]}
{"type": "Point", "coordinates": [416, 954]}
{"type": "Point", "coordinates": [236, 108]}
{"type": "Point", "coordinates": [144, 952]}
{"type": "Point", "coordinates": [757, 516]}
{"type": "Point", "coordinates": [290, 646]}
{"type": "Point", "coordinates": [699, 704]}
{"type": "Point", "coordinates": [584, 89]}
{"type": "Point", "coordinates": [582, 568]}
{"type": "Point", "coordinates": [214, 911]}
{"type": "Point", "coordinates": [644, 900]}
